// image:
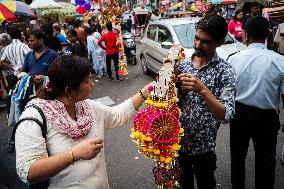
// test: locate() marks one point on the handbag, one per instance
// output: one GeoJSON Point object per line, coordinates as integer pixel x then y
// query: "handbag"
{"type": "Point", "coordinates": [11, 142]}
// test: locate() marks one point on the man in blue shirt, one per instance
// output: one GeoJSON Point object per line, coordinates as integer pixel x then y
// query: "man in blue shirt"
{"type": "Point", "coordinates": [37, 61]}
{"type": "Point", "coordinates": [260, 74]}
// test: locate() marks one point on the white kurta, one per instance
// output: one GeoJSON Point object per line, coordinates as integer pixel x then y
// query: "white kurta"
{"type": "Point", "coordinates": [84, 173]}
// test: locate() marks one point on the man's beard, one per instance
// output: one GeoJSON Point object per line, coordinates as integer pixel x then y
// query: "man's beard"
{"type": "Point", "coordinates": [199, 52]}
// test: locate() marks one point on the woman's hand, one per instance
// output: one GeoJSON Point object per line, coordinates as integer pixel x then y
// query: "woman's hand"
{"type": "Point", "coordinates": [139, 98]}
{"type": "Point", "coordinates": [87, 149]}
{"type": "Point", "coordinates": [146, 91]}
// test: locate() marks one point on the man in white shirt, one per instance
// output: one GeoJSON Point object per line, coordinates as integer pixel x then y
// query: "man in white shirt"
{"type": "Point", "coordinates": [260, 76]}
{"type": "Point", "coordinates": [15, 52]}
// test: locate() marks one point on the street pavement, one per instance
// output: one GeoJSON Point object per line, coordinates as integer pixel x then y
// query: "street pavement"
{"type": "Point", "coordinates": [127, 169]}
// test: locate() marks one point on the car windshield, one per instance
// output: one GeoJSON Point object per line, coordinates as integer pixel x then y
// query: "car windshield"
{"type": "Point", "coordinates": [185, 34]}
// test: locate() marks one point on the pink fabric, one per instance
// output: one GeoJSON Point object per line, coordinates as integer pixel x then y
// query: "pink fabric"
{"type": "Point", "coordinates": [235, 28]}
{"type": "Point", "coordinates": [57, 116]}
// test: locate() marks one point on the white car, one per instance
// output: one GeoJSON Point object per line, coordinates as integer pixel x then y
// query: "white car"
{"type": "Point", "coordinates": [160, 35]}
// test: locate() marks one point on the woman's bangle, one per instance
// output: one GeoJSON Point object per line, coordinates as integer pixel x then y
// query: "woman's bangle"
{"type": "Point", "coordinates": [141, 94]}
{"type": "Point", "coordinates": [71, 156]}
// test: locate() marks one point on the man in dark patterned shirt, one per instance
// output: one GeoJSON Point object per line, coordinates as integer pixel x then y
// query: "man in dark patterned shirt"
{"type": "Point", "coordinates": [206, 90]}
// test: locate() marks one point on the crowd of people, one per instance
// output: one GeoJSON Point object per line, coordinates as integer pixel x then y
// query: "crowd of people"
{"type": "Point", "coordinates": [245, 92]}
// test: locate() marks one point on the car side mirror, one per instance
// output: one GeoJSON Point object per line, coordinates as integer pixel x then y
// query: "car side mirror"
{"type": "Point", "coordinates": [166, 45]}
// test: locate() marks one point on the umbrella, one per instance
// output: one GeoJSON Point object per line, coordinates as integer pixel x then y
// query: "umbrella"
{"type": "Point", "coordinates": [6, 14]}
{"type": "Point", "coordinates": [44, 4]}
{"type": "Point", "coordinates": [17, 7]}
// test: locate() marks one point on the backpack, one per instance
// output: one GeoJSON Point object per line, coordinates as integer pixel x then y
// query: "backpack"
{"type": "Point", "coordinates": [11, 141]}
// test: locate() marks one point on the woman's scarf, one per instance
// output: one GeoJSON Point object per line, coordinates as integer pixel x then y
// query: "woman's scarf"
{"type": "Point", "coordinates": [57, 116]}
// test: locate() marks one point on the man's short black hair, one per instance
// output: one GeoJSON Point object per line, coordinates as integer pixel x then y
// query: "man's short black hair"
{"type": "Point", "coordinates": [257, 27]}
{"type": "Point", "coordinates": [37, 34]}
{"type": "Point", "coordinates": [77, 23]}
{"type": "Point", "coordinates": [214, 25]}
{"type": "Point", "coordinates": [15, 33]}
{"type": "Point", "coordinates": [109, 26]}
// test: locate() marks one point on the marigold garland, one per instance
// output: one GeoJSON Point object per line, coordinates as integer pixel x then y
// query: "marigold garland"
{"type": "Point", "coordinates": [156, 129]}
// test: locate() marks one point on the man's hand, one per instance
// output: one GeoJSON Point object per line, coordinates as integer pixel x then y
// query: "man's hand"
{"type": "Point", "coordinates": [191, 82]}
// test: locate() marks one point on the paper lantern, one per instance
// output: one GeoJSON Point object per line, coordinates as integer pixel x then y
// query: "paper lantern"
{"type": "Point", "coordinates": [87, 6]}
{"type": "Point", "coordinates": [80, 2]}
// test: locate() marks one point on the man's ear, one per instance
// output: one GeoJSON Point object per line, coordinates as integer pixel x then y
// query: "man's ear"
{"type": "Point", "coordinates": [41, 40]}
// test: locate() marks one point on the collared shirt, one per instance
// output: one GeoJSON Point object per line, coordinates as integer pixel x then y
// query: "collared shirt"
{"type": "Point", "coordinates": [39, 66]}
{"type": "Point", "coordinates": [15, 53]}
{"type": "Point", "coordinates": [260, 75]}
{"type": "Point", "coordinates": [197, 120]}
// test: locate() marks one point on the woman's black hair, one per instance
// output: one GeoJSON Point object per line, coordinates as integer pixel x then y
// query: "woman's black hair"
{"type": "Point", "coordinates": [89, 30]}
{"type": "Point", "coordinates": [214, 25]}
{"type": "Point", "coordinates": [237, 12]}
{"type": "Point", "coordinates": [73, 32]}
{"type": "Point", "coordinates": [65, 71]}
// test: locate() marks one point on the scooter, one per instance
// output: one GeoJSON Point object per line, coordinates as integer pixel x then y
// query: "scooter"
{"type": "Point", "coordinates": [129, 47]}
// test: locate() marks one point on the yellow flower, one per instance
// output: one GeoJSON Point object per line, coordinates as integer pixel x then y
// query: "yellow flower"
{"type": "Point", "coordinates": [168, 160]}
{"type": "Point", "coordinates": [143, 137]}
{"type": "Point", "coordinates": [162, 158]}
{"type": "Point", "coordinates": [149, 139]}
{"type": "Point", "coordinates": [175, 147]}
{"type": "Point", "coordinates": [132, 130]}
{"type": "Point", "coordinates": [156, 151]}
{"type": "Point", "coordinates": [181, 130]}
{"type": "Point", "coordinates": [145, 149]}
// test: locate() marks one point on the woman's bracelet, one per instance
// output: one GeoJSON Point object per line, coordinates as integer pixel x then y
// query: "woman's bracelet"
{"type": "Point", "coordinates": [71, 156]}
{"type": "Point", "coordinates": [141, 94]}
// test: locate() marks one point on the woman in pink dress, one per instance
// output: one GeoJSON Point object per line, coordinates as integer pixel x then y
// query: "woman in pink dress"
{"type": "Point", "coordinates": [235, 25]}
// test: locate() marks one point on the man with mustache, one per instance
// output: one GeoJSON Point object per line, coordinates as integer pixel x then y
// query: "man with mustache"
{"type": "Point", "coordinates": [206, 89]}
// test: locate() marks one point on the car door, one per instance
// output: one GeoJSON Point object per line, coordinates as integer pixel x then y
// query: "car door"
{"type": "Point", "coordinates": [163, 35]}
{"type": "Point", "coordinates": [149, 45]}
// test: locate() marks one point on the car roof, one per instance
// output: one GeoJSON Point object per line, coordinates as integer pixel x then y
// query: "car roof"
{"type": "Point", "coordinates": [178, 21]}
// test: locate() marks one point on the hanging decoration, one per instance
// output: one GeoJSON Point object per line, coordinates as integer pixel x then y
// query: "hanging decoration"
{"type": "Point", "coordinates": [199, 6]}
{"type": "Point", "coordinates": [156, 129]}
{"type": "Point", "coordinates": [122, 57]}
{"type": "Point", "coordinates": [111, 11]}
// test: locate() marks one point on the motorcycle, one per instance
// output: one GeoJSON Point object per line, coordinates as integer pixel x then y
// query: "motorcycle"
{"type": "Point", "coordinates": [129, 47]}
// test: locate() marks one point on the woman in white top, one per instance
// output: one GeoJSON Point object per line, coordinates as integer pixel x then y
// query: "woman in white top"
{"type": "Point", "coordinates": [71, 155]}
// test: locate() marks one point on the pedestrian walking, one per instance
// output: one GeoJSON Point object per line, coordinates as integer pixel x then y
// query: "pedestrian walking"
{"type": "Point", "coordinates": [15, 52]}
{"type": "Point", "coordinates": [77, 47]}
{"type": "Point", "coordinates": [50, 40]}
{"type": "Point", "coordinates": [71, 156]}
{"type": "Point", "coordinates": [206, 89]}
{"type": "Point", "coordinates": [235, 25]}
{"type": "Point", "coordinates": [110, 39]}
{"type": "Point", "coordinates": [259, 88]}
{"type": "Point", "coordinates": [94, 52]}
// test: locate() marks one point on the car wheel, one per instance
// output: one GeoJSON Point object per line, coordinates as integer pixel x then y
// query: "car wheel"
{"type": "Point", "coordinates": [144, 65]}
